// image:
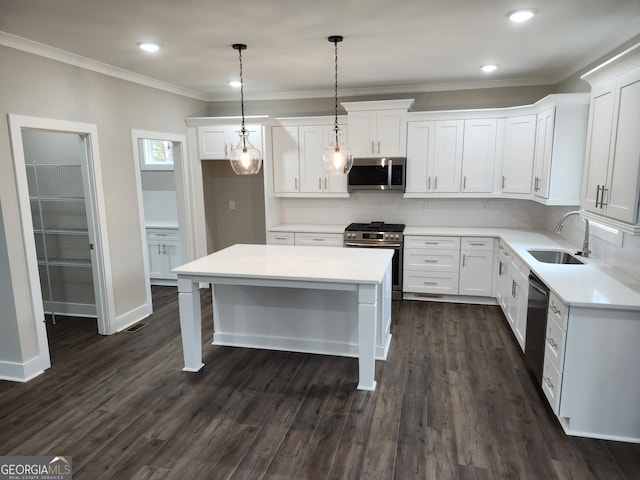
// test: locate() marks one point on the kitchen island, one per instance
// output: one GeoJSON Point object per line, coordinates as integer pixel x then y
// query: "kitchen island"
{"type": "Point", "coordinates": [333, 301]}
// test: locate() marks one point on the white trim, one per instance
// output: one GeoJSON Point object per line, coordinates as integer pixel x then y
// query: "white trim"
{"type": "Point", "coordinates": [132, 317]}
{"type": "Point", "coordinates": [23, 372]}
{"type": "Point", "coordinates": [185, 214]}
{"type": "Point", "coordinates": [105, 303]}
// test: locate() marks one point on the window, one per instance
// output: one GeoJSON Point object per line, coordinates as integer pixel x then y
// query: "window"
{"type": "Point", "coordinates": [156, 154]}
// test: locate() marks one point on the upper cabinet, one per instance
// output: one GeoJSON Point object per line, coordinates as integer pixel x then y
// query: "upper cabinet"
{"type": "Point", "coordinates": [378, 128]}
{"type": "Point", "coordinates": [534, 151]}
{"type": "Point", "coordinates": [611, 186]}
{"type": "Point", "coordinates": [297, 145]}
{"type": "Point", "coordinates": [519, 148]}
{"type": "Point", "coordinates": [216, 141]}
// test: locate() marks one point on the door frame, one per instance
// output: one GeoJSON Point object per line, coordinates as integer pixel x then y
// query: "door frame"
{"type": "Point", "coordinates": [96, 218]}
{"type": "Point", "coordinates": [185, 211]}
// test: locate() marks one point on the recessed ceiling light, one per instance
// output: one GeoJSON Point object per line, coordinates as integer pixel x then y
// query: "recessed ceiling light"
{"type": "Point", "coordinates": [488, 68]}
{"type": "Point", "coordinates": [522, 15]}
{"type": "Point", "coordinates": [149, 46]}
{"type": "Point", "coordinates": [235, 83]}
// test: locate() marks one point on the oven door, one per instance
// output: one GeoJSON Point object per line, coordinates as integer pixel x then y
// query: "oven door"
{"type": "Point", "coordinates": [396, 262]}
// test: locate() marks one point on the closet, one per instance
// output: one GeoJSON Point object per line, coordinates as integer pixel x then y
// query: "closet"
{"type": "Point", "coordinates": [54, 164]}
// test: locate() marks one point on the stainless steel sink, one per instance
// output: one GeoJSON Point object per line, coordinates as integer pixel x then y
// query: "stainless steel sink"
{"type": "Point", "coordinates": [555, 256]}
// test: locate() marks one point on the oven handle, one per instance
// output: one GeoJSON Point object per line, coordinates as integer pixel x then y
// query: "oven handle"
{"type": "Point", "coordinates": [386, 245]}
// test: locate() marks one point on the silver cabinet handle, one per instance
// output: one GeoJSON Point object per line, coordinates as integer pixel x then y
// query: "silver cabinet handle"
{"type": "Point", "coordinates": [281, 238]}
{"type": "Point", "coordinates": [431, 243]}
{"type": "Point", "coordinates": [159, 252]}
{"type": "Point", "coordinates": [503, 180]}
{"type": "Point", "coordinates": [552, 342]}
{"type": "Point", "coordinates": [430, 283]}
{"type": "Point", "coordinates": [554, 309]}
{"type": "Point", "coordinates": [500, 265]}
{"type": "Point", "coordinates": [477, 244]}
{"type": "Point", "coordinates": [319, 183]}
{"type": "Point", "coordinates": [295, 182]}
{"type": "Point", "coordinates": [547, 382]}
{"type": "Point", "coordinates": [325, 183]}
{"type": "Point", "coordinates": [464, 182]}
{"type": "Point", "coordinates": [428, 260]}
{"type": "Point", "coordinates": [164, 249]}
{"type": "Point", "coordinates": [536, 184]}
{"type": "Point", "coordinates": [464, 258]}
{"type": "Point", "coordinates": [435, 185]}
{"type": "Point", "coordinates": [597, 194]}
{"type": "Point", "coordinates": [378, 146]}
{"type": "Point", "coordinates": [429, 183]}
{"type": "Point", "coordinates": [318, 239]}
{"type": "Point", "coordinates": [513, 288]}
{"type": "Point", "coordinates": [602, 204]}
{"type": "Point", "coordinates": [372, 150]}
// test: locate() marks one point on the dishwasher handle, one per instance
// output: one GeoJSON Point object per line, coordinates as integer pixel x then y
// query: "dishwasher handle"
{"type": "Point", "coordinates": [537, 285]}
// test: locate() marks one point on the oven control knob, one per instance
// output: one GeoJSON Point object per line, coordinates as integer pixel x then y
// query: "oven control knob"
{"type": "Point", "coordinates": [396, 236]}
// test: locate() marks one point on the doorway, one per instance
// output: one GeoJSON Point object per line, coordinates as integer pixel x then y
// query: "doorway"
{"type": "Point", "coordinates": [163, 206]}
{"type": "Point", "coordinates": [57, 168]}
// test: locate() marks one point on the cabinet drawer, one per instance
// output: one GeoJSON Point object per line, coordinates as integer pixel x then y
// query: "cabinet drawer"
{"type": "Point", "coordinates": [551, 385]}
{"type": "Point", "coordinates": [280, 238]}
{"type": "Point", "coordinates": [424, 259]}
{"type": "Point", "coordinates": [319, 239]}
{"type": "Point", "coordinates": [418, 241]}
{"type": "Point", "coordinates": [158, 235]}
{"type": "Point", "coordinates": [558, 311]}
{"type": "Point", "coordinates": [476, 243]}
{"type": "Point", "coordinates": [445, 283]}
{"type": "Point", "coordinates": [554, 344]}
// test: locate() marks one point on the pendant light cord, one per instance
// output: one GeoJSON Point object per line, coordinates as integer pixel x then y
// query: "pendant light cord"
{"type": "Point", "coordinates": [335, 125]}
{"type": "Point", "coordinates": [243, 130]}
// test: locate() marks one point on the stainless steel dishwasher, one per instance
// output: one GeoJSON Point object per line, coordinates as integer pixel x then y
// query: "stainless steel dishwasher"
{"type": "Point", "coordinates": [535, 338]}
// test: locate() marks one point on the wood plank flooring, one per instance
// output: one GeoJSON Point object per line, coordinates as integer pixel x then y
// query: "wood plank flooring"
{"type": "Point", "coordinates": [454, 401]}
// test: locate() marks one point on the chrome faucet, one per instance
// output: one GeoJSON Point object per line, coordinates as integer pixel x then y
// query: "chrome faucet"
{"type": "Point", "coordinates": [585, 243]}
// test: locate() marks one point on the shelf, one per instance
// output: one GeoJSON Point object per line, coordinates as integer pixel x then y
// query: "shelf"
{"type": "Point", "coordinates": [61, 231]}
{"type": "Point", "coordinates": [65, 262]}
{"type": "Point", "coordinates": [56, 199]}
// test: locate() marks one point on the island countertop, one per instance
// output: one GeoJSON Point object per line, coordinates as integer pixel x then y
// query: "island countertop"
{"type": "Point", "coordinates": [286, 262]}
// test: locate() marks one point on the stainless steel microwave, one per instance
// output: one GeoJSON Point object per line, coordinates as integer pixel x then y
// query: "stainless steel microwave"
{"type": "Point", "coordinates": [377, 174]}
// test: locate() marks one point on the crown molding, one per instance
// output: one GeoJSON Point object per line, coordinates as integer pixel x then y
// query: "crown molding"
{"type": "Point", "coordinates": [36, 48]}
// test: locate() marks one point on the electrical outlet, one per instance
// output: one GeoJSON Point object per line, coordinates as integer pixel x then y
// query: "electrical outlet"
{"type": "Point", "coordinates": [232, 204]}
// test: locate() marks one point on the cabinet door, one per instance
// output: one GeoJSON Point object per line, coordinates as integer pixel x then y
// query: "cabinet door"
{"type": "Point", "coordinates": [311, 144]}
{"type": "Point", "coordinates": [157, 268]}
{"type": "Point", "coordinates": [420, 141]}
{"type": "Point", "coordinates": [503, 283]}
{"type": "Point", "coordinates": [476, 273]}
{"type": "Point", "coordinates": [362, 133]}
{"type": "Point", "coordinates": [215, 141]}
{"type": "Point", "coordinates": [621, 201]}
{"type": "Point", "coordinates": [172, 258]}
{"type": "Point", "coordinates": [286, 171]}
{"type": "Point", "coordinates": [598, 142]}
{"type": "Point", "coordinates": [391, 133]}
{"type": "Point", "coordinates": [447, 157]}
{"type": "Point", "coordinates": [543, 151]}
{"type": "Point", "coordinates": [479, 153]}
{"type": "Point", "coordinates": [517, 162]}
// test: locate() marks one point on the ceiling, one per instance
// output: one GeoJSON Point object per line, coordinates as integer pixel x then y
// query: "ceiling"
{"type": "Point", "coordinates": [389, 46]}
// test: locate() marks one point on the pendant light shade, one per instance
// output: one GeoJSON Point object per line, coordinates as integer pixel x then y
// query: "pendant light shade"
{"type": "Point", "coordinates": [336, 157]}
{"type": "Point", "coordinates": [245, 158]}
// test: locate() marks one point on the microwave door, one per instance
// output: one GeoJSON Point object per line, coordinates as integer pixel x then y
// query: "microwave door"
{"type": "Point", "coordinates": [372, 176]}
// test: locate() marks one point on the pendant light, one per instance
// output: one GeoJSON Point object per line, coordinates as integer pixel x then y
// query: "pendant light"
{"type": "Point", "coordinates": [245, 158]}
{"type": "Point", "coordinates": [336, 158]}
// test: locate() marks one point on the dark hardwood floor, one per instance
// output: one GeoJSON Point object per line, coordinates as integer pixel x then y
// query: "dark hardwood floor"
{"type": "Point", "coordinates": [454, 401]}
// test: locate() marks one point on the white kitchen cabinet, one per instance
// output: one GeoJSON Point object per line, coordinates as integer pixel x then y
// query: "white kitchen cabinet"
{"type": "Point", "coordinates": [318, 239]}
{"type": "Point", "coordinates": [512, 291]}
{"type": "Point", "coordinates": [476, 267]}
{"type": "Point", "coordinates": [378, 133]}
{"type": "Point", "coordinates": [434, 156]}
{"type": "Point", "coordinates": [518, 154]}
{"type": "Point", "coordinates": [478, 155]}
{"type": "Point", "coordinates": [215, 142]}
{"type": "Point", "coordinates": [431, 265]}
{"type": "Point", "coordinates": [378, 128]}
{"type": "Point", "coordinates": [164, 255]}
{"type": "Point", "coordinates": [612, 168]}
{"type": "Point", "coordinates": [280, 238]}
{"type": "Point", "coordinates": [297, 160]}
{"type": "Point", "coordinates": [555, 337]}
{"type": "Point", "coordinates": [286, 159]}
{"type": "Point", "coordinates": [542, 158]}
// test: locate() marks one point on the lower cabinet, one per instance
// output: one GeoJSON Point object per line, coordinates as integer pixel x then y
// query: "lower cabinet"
{"type": "Point", "coordinates": [554, 351]}
{"type": "Point", "coordinates": [439, 266]}
{"type": "Point", "coordinates": [305, 238]}
{"type": "Point", "coordinates": [164, 255]}
{"type": "Point", "coordinates": [512, 290]}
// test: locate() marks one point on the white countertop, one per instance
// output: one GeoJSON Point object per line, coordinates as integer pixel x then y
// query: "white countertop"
{"type": "Point", "coordinates": [593, 284]}
{"type": "Point", "coordinates": [287, 262]}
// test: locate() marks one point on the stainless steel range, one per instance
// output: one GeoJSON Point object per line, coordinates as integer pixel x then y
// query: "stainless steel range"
{"type": "Point", "coordinates": [380, 235]}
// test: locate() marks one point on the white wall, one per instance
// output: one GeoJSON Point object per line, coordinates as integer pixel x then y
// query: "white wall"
{"type": "Point", "coordinates": [36, 86]}
{"type": "Point", "coordinates": [393, 208]}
